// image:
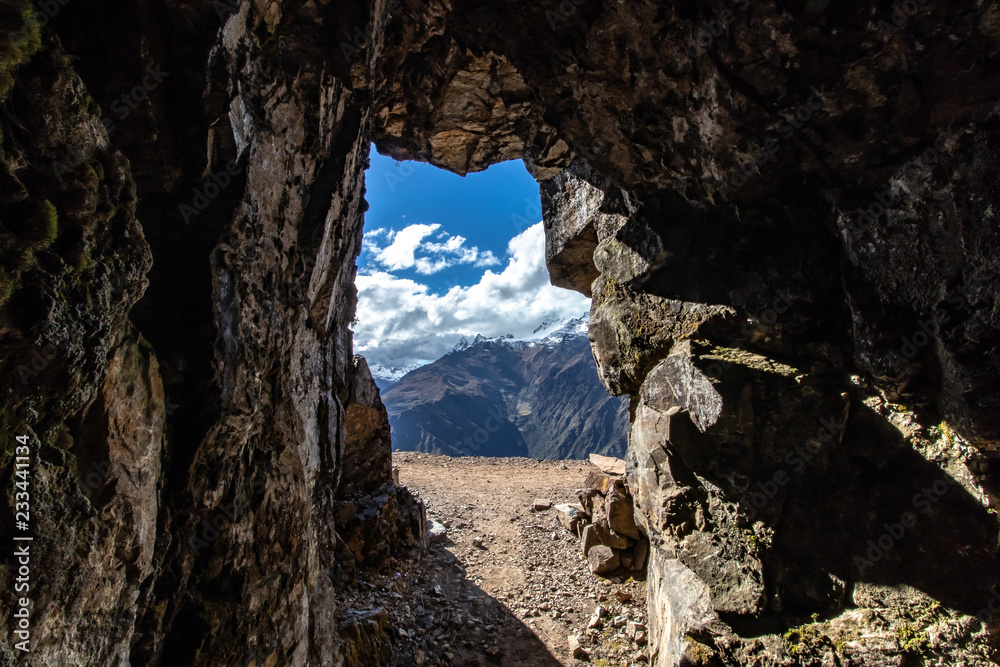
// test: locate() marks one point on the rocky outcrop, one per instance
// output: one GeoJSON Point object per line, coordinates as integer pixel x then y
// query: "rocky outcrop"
{"type": "Point", "coordinates": [78, 385]}
{"type": "Point", "coordinates": [788, 280]}
{"type": "Point", "coordinates": [607, 527]}
{"type": "Point", "coordinates": [220, 527]}
{"type": "Point", "coordinates": [785, 215]}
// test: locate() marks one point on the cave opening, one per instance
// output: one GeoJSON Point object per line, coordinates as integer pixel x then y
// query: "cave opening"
{"type": "Point", "coordinates": [494, 402]}
{"type": "Point", "coordinates": [474, 350]}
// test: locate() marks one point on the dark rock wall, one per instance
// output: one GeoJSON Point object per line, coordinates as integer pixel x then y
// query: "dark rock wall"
{"type": "Point", "coordinates": [784, 213]}
{"type": "Point", "coordinates": [204, 503]}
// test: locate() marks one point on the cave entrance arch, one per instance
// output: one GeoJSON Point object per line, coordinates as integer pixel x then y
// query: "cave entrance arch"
{"type": "Point", "coordinates": [474, 350]}
{"type": "Point", "coordinates": [480, 358]}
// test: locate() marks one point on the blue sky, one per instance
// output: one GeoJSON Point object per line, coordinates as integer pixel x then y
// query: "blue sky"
{"type": "Point", "coordinates": [486, 209]}
{"type": "Point", "coordinates": [447, 256]}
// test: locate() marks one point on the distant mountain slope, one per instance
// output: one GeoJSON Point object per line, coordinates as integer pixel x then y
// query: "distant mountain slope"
{"type": "Point", "coordinates": [539, 397]}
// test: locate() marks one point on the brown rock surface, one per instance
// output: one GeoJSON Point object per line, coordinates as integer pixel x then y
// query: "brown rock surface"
{"type": "Point", "coordinates": [787, 226]}
{"type": "Point", "coordinates": [602, 559]}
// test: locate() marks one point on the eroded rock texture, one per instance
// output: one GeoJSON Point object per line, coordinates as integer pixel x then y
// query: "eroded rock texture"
{"type": "Point", "coordinates": [784, 212]}
{"type": "Point", "coordinates": [204, 509]}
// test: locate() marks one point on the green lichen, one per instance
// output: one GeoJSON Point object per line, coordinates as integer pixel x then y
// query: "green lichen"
{"type": "Point", "coordinates": [7, 284]}
{"type": "Point", "coordinates": [912, 638]}
{"type": "Point", "coordinates": [947, 434]}
{"type": "Point", "coordinates": [731, 355]}
{"type": "Point", "coordinates": [802, 639]}
{"type": "Point", "coordinates": [36, 229]}
{"type": "Point", "coordinates": [20, 38]}
{"type": "Point", "coordinates": [816, 637]}
{"type": "Point", "coordinates": [697, 653]}
{"type": "Point", "coordinates": [47, 224]}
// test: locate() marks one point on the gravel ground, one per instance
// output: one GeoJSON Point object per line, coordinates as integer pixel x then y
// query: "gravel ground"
{"type": "Point", "coordinates": [507, 585]}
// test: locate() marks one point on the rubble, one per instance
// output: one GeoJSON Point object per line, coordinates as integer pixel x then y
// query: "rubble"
{"type": "Point", "coordinates": [500, 590]}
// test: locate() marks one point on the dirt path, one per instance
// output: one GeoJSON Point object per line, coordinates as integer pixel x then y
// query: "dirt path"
{"type": "Point", "coordinates": [508, 585]}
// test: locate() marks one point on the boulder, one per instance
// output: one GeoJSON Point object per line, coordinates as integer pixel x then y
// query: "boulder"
{"type": "Point", "coordinates": [595, 507]}
{"type": "Point", "coordinates": [602, 560]}
{"type": "Point", "coordinates": [586, 497]}
{"type": "Point", "coordinates": [541, 504]}
{"type": "Point", "coordinates": [608, 464]}
{"type": "Point", "coordinates": [620, 514]}
{"type": "Point", "coordinates": [573, 517]}
{"type": "Point", "coordinates": [639, 554]}
{"type": "Point", "coordinates": [436, 532]}
{"type": "Point", "coordinates": [633, 628]}
{"type": "Point", "coordinates": [610, 538]}
{"type": "Point", "coordinates": [575, 649]}
{"type": "Point", "coordinates": [595, 534]}
{"type": "Point", "coordinates": [589, 539]}
{"type": "Point", "coordinates": [599, 482]}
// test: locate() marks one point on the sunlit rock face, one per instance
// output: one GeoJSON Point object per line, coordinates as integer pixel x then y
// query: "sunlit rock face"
{"type": "Point", "coordinates": [784, 214]}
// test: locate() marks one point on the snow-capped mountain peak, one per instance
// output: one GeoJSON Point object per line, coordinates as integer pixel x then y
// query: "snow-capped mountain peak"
{"type": "Point", "coordinates": [391, 373]}
{"type": "Point", "coordinates": [544, 326]}
{"type": "Point", "coordinates": [548, 333]}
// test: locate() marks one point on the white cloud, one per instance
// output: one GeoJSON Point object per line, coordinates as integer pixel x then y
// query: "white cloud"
{"type": "Point", "coordinates": [400, 254]}
{"type": "Point", "coordinates": [401, 322]}
{"type": "Point", "coordinates": [408, 249]}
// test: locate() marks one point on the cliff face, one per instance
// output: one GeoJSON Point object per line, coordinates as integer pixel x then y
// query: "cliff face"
{"type": "Point", "coordinates": [205, 509]}
{"type": "Point", "coordinates": [785, 216]}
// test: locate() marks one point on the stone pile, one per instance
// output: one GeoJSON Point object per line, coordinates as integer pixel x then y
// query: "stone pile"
{"type": "Point", "coordinates": [604, 520]}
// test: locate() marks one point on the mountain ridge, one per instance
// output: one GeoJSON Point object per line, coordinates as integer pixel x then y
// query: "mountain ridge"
{"type": "Point", "coordinates": [538, 396]}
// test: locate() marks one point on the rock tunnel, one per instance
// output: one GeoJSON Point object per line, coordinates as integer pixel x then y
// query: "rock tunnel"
{"type": "Point", "coordinates": [783, 212]}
